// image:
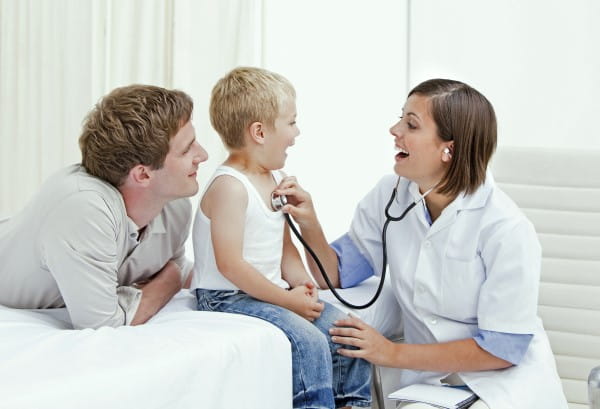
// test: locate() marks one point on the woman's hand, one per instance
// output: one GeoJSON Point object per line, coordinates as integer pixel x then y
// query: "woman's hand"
{"type": "Point", "coordinates": [300, 205]}
{"type": "Point", "coordinates": [372, 346]}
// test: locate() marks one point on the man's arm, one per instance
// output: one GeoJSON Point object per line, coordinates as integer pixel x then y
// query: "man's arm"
{"type": "Point", "coordinates": [80, 247]}
{"type": "Point", "coordinates": [157, 292]}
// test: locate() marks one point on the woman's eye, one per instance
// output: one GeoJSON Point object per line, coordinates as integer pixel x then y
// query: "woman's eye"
{"type": "Point", "coordinates": [411, 126]}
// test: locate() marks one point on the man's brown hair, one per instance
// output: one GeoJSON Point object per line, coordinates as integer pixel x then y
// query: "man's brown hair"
{"type": "Point", "coordinates": [130, 126]}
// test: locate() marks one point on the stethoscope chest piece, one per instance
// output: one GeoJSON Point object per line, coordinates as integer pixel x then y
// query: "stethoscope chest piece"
{"type": "Point", "coordinates": [277, 202]}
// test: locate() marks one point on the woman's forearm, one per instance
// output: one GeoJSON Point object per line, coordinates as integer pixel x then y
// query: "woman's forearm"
{"type": "Point", "coordinates": [455, 356]}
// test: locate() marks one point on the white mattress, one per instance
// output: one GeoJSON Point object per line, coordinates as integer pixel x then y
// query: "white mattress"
{"type": "Point", "coordinates": [182, 358]}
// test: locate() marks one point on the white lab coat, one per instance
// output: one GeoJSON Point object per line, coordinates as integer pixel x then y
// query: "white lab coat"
{"type": "Point", "coordinates": [476, 267]}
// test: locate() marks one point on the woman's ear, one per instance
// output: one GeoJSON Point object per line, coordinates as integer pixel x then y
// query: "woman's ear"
{"type": "Point", "coordinates": [256, 132]}
{"type": "Point", "coordinates": [447, 153]}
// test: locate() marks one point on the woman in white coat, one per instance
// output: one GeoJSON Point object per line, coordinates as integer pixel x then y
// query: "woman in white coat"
{"type": "Point", "coordinates": [464, 263]}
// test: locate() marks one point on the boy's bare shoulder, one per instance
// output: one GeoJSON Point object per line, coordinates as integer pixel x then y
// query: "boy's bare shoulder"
{"type": "Point", "coordinates": [227, 187]}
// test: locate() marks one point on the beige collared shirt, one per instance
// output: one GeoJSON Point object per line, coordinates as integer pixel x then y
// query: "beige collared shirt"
{"type": "Point", "coordinates": [73, 245]}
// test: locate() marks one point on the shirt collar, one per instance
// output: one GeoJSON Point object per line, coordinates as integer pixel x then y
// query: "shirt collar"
{"type": "Point", "coordinates": [132, 229]}
{"type": "Point", "coordinates": [156, 226]}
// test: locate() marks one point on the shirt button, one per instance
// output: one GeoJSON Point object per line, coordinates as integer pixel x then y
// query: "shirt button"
{"type": "Point", "coordinates": [427, 244]}
{"type": "Point", "coordinates": [433, 321]}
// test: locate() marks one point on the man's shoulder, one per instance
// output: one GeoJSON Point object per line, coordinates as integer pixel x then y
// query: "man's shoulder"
{"type": "Point", "coordinates": [83, 191]}
{"type": "Point", "coordinates": [74, 179]}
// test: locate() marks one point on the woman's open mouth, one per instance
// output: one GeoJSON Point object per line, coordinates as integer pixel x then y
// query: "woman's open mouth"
{"type": "Point", "coordinates": [402, 154]}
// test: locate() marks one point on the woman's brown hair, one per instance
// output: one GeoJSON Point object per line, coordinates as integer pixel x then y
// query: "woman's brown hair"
{"type": "Point", "coordinates": [462, 115]}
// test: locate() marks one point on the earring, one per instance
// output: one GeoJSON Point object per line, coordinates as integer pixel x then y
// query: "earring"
{"type": "Point", "coordinates": [447, 152]}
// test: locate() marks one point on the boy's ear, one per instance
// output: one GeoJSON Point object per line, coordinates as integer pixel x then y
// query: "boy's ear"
{"type": "Point", "coordinates": [256, 132]}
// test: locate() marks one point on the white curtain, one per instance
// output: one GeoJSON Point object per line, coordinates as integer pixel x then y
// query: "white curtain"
{"type": "Point", "coordinates": [58, 57]}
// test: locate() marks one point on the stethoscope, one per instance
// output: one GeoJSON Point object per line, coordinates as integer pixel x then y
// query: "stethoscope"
{"type": "Point", "coordinates": [277, 203]}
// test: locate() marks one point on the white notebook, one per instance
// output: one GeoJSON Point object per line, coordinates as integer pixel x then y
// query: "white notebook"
{"type": "Point", "coordinates": [444, 397]}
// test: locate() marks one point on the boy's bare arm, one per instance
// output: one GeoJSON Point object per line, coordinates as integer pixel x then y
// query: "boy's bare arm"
{"type": "Point", "coordinates": [301, 208]}
{"type": "Point", "coordinates": [225, 204]}
{"type": "Point", "coordinates": [292, 267]}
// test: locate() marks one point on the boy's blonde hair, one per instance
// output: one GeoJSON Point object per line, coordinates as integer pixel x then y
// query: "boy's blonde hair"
{"type": "Point", "coordinates": [243, 96]}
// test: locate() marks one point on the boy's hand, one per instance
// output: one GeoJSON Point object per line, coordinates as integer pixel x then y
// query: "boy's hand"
{"type": "Point", "coordinates": [301, 302]}
{"type": "Point", "coordinates": [313, 290]}
{"type": "Point", "coordinates": [300, 205]}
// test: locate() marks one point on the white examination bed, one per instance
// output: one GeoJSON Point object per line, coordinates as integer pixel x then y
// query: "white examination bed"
{"type": "Point", "coordinates": [182, 358]}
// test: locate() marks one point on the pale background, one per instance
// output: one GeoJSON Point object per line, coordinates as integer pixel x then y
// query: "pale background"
{"type": "Point", "coordinates": [352, 63]}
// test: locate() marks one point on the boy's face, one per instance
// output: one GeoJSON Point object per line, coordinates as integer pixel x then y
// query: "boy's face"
{"type": "Point", "coordinates": [282, 134]}
{"type": "Point", "coordinates": [177, 177]}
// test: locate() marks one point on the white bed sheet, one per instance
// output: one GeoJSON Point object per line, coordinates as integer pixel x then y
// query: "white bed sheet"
{"type": "Point", "coordinates": [182, 358]}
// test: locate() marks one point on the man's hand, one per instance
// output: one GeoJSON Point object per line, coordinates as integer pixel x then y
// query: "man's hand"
{"type": "Point", "coordinates": [301, 301]}
{"type": "Point", "coordinates": [157, 291]}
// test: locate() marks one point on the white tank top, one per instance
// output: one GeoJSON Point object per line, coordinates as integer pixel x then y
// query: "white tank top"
{"type": "Point", "coordinates": [263, 239]}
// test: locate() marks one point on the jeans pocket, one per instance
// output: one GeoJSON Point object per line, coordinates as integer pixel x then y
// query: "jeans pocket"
{"type": "Point", "coordinates": [214, 300]}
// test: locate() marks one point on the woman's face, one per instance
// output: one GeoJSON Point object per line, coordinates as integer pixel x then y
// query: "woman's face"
{"type": "Point", "coordinates": [420, 156]}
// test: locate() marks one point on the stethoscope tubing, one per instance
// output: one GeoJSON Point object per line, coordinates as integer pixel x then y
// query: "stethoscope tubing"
{"type": "Point", "coordinates": [389, 218]}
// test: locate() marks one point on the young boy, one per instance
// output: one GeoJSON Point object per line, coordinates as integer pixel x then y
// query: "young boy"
{"type": "Point", "coordinates": [246, 262]}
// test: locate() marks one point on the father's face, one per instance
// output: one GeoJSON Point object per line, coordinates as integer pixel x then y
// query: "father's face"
{"type": "Point", "coordinates": [177, 178]}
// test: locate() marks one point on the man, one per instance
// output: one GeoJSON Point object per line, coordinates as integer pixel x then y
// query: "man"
{"type": "Point", "coordinates": [106, 238]}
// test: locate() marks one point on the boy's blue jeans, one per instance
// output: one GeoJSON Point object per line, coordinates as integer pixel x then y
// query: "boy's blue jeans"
{"type": "Point", "coordinates": [322, 378]}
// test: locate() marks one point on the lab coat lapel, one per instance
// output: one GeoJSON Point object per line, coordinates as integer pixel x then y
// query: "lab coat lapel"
{"type": "Point", "coordinates": [445, 220]}
{"type": "Point", "coordinates": [463, 202]}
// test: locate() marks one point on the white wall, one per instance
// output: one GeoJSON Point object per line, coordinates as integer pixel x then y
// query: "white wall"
{"type": "Point", "coordinates": [352, 63]}
{"type": "Point", "coordinates": [347, 61]}
{"type": "Point", "coordinates": [538, 62]}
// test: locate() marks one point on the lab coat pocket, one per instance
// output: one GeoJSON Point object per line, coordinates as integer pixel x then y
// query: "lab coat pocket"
{"type": "Point", "coordinates": [461, 284]}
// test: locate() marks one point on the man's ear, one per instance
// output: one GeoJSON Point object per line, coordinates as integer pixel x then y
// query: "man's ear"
{"type": "Point", "coordinates": [256, 130]}
{"type": "Point", "coordinates": [140, 175]}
